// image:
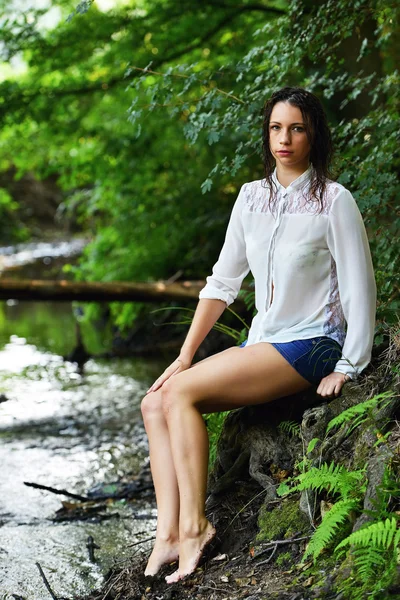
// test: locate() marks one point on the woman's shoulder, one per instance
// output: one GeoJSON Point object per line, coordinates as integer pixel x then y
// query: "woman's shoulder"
{"type": "Point", "coordinates": [254, 194]}
{"type": "Point", "coordinates": [335, 186]}
{"type": "Point", "coordinates": [333, 191]}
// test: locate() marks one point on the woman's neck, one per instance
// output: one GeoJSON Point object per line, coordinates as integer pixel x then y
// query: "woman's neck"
{"type": "Point", "coordinates": [286, 175]}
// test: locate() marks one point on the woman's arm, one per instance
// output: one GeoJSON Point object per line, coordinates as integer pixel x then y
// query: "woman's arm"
{"type": "Point", "coordinates": [348, 244]}
{"type": "Point", "coordinates": [221, 289]}
{"type": "Point", "coordinates": [207, 313]}
{"type": "Point", "coordinates": [232, 266]}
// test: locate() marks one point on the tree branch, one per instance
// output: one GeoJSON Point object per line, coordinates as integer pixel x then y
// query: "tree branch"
{"type": "Point", "coordinates": [102, 85]}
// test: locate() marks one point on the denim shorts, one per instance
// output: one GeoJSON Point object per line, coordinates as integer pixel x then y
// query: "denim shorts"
{"type": "Point", "coordinates": [313, 358]}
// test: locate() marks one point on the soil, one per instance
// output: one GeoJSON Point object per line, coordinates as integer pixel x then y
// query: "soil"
{"type": "Point", "coordinates": [222, 577]}
{"type": "Point", "coordinates": [235, 567]}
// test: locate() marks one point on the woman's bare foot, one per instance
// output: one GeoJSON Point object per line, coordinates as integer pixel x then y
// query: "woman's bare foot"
{"type": "Point", "coordinates": [164, 552]}
{"type": "Point", "coordinates": [191, 550]}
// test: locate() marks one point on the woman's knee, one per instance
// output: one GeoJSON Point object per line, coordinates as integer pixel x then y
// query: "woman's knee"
{"type": "Point", "coordinates": [151, 405]}
{"type": "Point", "coordinates": [172, 392]}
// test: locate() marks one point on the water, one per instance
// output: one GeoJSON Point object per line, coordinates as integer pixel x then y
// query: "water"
{"type": "Point", "coordinates": [70, 431]}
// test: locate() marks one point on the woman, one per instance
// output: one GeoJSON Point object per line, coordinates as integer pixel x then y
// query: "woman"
{"type": "Point", "coordinates": [303, 238]}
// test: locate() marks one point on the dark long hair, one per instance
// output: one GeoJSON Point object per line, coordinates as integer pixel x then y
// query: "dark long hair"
{"type": "Point", "coordinates": [319, 137]}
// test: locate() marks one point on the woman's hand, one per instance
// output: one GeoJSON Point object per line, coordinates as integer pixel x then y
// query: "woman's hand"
{"type": "Point", "coordinates": [179, 364]}
{"type": "Point", "coordinates": [331, 385]}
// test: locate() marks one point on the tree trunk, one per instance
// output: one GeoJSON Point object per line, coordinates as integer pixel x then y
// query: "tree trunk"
{"type": "Point", "coordinates": [112, 291]}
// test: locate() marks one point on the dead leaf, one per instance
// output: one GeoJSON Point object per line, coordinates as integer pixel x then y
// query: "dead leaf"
{"type": "Point", "coordinates": [224, 579]}
{"type": "Point", "coordinates": [303, 566]}
{"type": "Point", "coordinates": [242, 581]}
{"type": "Point", "coordinates": [220, 557]}
{"type": "Point", "coordinates": [309, 581]}
{"type": "Point", "coordinates": [325, 507]}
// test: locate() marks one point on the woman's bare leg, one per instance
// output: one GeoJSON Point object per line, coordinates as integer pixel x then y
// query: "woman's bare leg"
{"type": "Point", "coordinates": [238, 377]}
{"type": "Point", "coordinates": [166, 546]}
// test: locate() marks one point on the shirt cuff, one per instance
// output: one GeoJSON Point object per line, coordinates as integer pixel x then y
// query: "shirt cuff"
{"type": "Point", "coordinates": [213, 293]}
{"type": "Point", "coordinates": [353, 374]}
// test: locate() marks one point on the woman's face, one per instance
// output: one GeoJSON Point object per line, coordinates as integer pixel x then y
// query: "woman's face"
{"type": "Point", "coordinates": [288, 139]}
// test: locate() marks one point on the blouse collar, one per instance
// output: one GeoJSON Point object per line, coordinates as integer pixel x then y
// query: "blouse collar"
{"type": "Point", "coordinates": [296, 183]}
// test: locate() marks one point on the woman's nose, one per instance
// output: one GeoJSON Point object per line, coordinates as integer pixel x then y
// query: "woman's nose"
{"type": "Point", "coordinates": [284, 137]}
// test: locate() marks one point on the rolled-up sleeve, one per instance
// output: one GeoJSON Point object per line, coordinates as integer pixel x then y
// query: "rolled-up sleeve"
{"type": "Point", "coordinates": [232, 266]}
{"type": "Point", "coordinates": [348, 244]}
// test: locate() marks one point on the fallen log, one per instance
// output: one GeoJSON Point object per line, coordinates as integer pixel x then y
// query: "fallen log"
{"type": "Point", "coordinates": [113, 291]}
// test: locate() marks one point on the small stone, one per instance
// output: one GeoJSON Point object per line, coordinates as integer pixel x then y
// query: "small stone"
{"type": "Point", "coordinates": [224, 579]}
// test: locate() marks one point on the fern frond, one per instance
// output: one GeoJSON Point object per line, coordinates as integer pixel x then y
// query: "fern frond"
{"type": "Point", "coordinates": [248, 297]}
{"type": "Point", "coordinates": [329, 525]}
{"type": "Point", "coordinates": [379, 534]}
{"type": "Point", "coordinates": [369, 560]}
{"type": "Point", "coordinates": [334, 478]}
{"type": "Point", "coordinates": [359, 410]}
{"type": "Point", "coordinates": [290, 427]}
{"type": "Point", "coordinates": [311, 445]}
{"type": "Point", "coordinates": [239, 317]}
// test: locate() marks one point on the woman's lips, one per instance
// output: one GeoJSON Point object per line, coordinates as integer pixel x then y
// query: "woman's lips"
{"type": "Point", "coordinates": [284, 152]}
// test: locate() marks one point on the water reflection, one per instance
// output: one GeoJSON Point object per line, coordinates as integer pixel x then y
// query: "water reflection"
{"type": "Point", "coordinates": [69, 431]}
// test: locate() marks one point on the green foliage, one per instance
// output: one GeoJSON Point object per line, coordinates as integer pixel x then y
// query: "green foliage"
{"type": "Point", "coordinates": [336, 479]}
{"type": "Point", "coordinates": [284, 559]}
{"type": "Point", "coordinates": [186, 319]}
{"type": "Point", "coordinates": [281, 522]}
{"type": "Point", "coordinates": [330, 525]}
{"type": "Point", "coordinates": [290, 427]}
{"type": "Point", "coordinates": [214, 422]}
{"type": "Point", "coordinates": [10, 229]}
{"type": "Point", "coordinates": [359, 413]}
{"type": "Point", "coordinates": [150, 141]}
{"type": "Point", "coordinates": [375, 547]}
{"type": "Point", "coordinates": [383, 533]}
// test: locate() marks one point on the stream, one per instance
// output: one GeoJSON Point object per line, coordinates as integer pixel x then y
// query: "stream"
{"type": "Point", "coordinates": [70, 431]}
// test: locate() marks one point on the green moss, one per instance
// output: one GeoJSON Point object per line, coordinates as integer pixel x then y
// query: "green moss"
{"type": "Point", "coordinates": [284, 559]}
{"type": "Point", "coordinates": [281, 522]}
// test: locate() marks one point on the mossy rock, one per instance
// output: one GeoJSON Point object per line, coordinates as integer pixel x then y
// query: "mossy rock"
{"type": "Point", "coordinates": [282, 522]}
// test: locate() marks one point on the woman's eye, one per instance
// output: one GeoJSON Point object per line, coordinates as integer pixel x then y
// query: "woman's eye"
{"type": "Point", "coordinates": [274, 127]}
{"type": "Point", "coordinates": [299, 128]}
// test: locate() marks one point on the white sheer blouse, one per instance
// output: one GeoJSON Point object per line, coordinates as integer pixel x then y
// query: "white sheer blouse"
{"type": "Point", "coordinates": [317, 264]}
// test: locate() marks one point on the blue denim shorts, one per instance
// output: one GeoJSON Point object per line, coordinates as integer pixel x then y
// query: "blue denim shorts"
{"type": "Point", "coordinates": [314, 358]}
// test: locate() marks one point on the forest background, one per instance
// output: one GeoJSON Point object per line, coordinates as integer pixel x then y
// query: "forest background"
{"type": "Point", "coordinates": [147, 116]}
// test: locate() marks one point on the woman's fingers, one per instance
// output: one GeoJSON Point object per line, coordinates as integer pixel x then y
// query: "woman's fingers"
{"type": "Point", "coordinates": [176, 366]}
{"type": "Point", "coordinates": [158, 383]}
{"type": "Point", "coordinates": [330, 386]}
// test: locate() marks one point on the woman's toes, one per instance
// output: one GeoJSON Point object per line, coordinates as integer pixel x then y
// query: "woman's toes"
{"type": "Point", "coordinates": [161, 555]}
{"type": "Point", "coordinates": [173, 578]}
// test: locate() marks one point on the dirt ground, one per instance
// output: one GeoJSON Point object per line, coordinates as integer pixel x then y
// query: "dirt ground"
{"type": "Point", "coordinates": [221, 577]}
{"type": "Point", "coordinates": [235, 567]}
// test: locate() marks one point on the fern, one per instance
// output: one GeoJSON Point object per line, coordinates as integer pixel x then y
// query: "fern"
{"type": "Point", "coordinates": [382, 533]}
{"type": "Point", "coordinates": [329, 526]}
{"type": "Point", "coordinates": [374, 566]}
{"type": "Point", "coordinates": [334, 478]}
{"type": "Point", "coordinates": [359, 412]}
{"type": "Point", "coordinates": [311, 445]}
{"type": "Point", "coordinates": [290, 427]}
{"type": "Point", "coordinates": [374, 571]}
{"type": "Point", "coordinates": [368, 560]}
{"type": "Point", "coordinates": [248, 298]}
